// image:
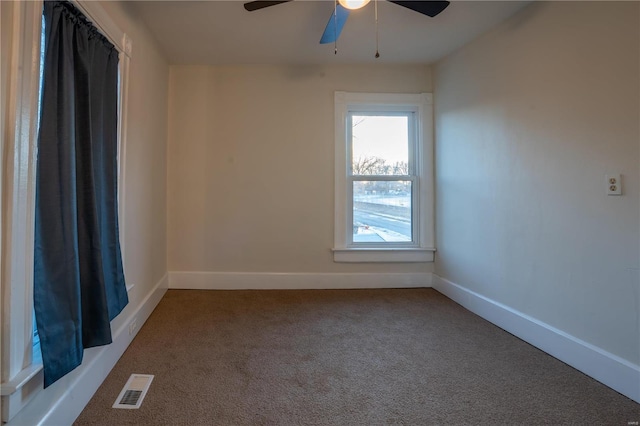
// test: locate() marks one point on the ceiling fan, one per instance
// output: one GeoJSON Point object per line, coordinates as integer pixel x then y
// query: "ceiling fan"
{"type": "Point", "coordinates": [339, 16]}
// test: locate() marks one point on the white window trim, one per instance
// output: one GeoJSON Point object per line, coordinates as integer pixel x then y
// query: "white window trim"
{"type": "Point", "coordinates": [18, 196]}
{"type": "Point", "coordinates": [21, 378]}
{"type": "Point", "coordinates": [423, 249]}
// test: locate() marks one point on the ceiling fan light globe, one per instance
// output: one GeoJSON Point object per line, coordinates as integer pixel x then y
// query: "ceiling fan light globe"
{"type": "Point", "coordinates": [353, 4]}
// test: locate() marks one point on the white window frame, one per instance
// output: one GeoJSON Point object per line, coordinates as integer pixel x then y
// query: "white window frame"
{"type": "Point", "coordinates": [421, 249]}
{"type": "Point", "coordinates": [22, 377]}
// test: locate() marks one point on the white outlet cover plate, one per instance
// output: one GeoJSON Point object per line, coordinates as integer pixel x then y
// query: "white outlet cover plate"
{"type": "Point", "coordinates": [614, 184]}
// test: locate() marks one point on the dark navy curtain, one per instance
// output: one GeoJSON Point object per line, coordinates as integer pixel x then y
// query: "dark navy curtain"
{"type": "Point", "coordinates": [79, 283]}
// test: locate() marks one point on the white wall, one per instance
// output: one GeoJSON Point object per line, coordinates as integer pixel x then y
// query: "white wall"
{"type": "Point", "coordinates": [144, 220]}
{"type": "Point", "coordinates": [529, 119]}
{"type": "Point", "coordinates": [251, 152]}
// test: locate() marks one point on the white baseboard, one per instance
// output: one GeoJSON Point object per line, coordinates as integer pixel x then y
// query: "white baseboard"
{"type": "Point", "coordinates": [62, 402]}
{"type": "Point", "coordinates": [609, 369]}
{"type": "Point", "coordinates": [297, 281]}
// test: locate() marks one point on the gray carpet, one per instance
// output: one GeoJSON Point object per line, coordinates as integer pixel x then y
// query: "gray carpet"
{"type": "Point", "coordinates": [343, 357]}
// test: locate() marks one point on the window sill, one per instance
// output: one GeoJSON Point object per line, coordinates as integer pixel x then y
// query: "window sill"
{"type": "Point", "coordinates": [19, 391]}
{"type": "Point", "coordinates": [371, 255]}
{"type": "Point", "coordinates": [21, 379]}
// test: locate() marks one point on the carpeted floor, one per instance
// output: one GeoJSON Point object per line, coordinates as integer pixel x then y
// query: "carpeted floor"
{"type": "Point", "coordinates": [343, 357]}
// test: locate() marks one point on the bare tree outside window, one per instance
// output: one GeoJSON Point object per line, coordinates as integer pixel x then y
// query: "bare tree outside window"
{"type": "Point", "coordinates": [366, 166]}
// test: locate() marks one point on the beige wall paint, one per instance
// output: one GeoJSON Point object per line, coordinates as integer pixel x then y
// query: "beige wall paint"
{"type": "Point", "coordinates": [251, 152]}
{"type": "Point", "coordinates": [529, 119]}
{"type": "Point", "coordinates": [6, 32]}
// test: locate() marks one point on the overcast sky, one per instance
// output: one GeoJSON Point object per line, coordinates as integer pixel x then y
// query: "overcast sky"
{"type": "Point", "coordinates": [383, 137]}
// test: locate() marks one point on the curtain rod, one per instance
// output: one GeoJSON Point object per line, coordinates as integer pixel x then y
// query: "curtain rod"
{"type": "Point", "coordinates": [103, 22]}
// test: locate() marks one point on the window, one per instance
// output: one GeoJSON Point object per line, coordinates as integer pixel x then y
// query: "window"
{"type": "Point", "coordinates": [21, 370]}
{"type": "Point", "coordinates": [384, 178]}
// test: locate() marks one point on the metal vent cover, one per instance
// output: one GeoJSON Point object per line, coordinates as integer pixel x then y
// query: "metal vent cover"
{"type": "Point", "coordinates": [134, 391]}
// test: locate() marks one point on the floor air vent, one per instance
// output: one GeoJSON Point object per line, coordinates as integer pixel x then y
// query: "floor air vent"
{"type": "Point", "coordinates": [134, 391]}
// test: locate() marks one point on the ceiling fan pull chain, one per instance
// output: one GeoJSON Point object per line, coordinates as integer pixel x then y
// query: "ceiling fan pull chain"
{"type": "Point", "coordinates": [335, 27]}
{"type": "Point", "coordinates": [376, 9]}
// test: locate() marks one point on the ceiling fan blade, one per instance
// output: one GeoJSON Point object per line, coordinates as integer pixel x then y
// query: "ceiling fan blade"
{"type": "Point", "coordinates": [255, 5]}
{"type": "Point", "coordinates": [335, 25]}
{"type": "Point", "coordinates": [429, 8]}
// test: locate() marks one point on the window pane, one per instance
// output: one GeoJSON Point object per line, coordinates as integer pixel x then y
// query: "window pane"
{"type": "Point", "coordinates": [381, 211]}
{"type": "Point", "coordinates": [380, 145]}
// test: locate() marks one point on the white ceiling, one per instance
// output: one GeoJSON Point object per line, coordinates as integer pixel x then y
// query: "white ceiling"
{"type": "Point", "coordinates": [222, 32]}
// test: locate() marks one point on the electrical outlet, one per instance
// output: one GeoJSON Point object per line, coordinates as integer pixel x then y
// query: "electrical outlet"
{"type": "Point", "coordinates": [133, 326]}
{"type": "Point", "coordinates": [614, 184]}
